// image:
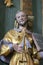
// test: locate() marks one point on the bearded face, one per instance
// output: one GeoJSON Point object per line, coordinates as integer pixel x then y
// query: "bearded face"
{"type": "Point", "coordinates": [21, 18]}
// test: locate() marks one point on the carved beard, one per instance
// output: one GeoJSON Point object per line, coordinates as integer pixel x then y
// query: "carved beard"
{"type": "Point", "coordinates": [24, 24]}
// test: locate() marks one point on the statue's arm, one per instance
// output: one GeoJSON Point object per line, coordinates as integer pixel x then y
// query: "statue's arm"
{"type": "Point", "coordinates": [5, 47]}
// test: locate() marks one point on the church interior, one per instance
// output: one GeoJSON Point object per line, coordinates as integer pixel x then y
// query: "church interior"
{"type": "Point", "coordinates": [34, 10]}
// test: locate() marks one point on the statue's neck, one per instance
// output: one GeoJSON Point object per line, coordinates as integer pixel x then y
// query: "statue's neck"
{"type": "Point", "coordinates": [21, 27]}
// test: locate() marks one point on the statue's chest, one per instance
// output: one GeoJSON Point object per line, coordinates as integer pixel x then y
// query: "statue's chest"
{"type": "Point", "coordinates": [17, 37]}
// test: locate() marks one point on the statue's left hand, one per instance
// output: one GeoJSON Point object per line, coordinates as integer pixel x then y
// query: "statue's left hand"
{"type": "Point", "coordinates": [17, 48]}
{"type": "Point", "coordinates": [20, 48]}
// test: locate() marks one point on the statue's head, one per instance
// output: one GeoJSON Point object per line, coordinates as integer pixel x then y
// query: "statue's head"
{"type": "Point", "coordinates": [21, 17]}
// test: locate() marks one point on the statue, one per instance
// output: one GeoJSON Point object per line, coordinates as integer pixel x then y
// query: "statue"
{"type": "Point", "coordinates": [16, 47]}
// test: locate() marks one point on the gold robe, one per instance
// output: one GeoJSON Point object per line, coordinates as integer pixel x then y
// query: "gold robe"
{"type": "Point", "coordinates": [16, 38]}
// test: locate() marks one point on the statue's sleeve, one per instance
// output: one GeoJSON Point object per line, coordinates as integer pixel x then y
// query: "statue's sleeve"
{"type": "Point", "coordinates": [6, 45]}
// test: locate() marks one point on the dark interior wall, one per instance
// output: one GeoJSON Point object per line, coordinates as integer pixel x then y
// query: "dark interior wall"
{"type": "Point", "coordinates": [37, 24]}
{"type": "Point", "coordinates": [2, 18]}
{"type": "Point", "coordinates": [39, 16]}
{"type": "Point", "coordinates": [35, 15]}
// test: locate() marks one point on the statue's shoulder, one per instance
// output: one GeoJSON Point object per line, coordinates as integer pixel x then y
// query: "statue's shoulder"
{"type": "Point", "coordinates": [11, 32]}
{"type": "Point", "coordinates": [8, 36]}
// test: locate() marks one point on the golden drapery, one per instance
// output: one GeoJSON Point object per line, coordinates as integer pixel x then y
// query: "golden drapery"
{"type": "Point", "coordinates": [16, 38]}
